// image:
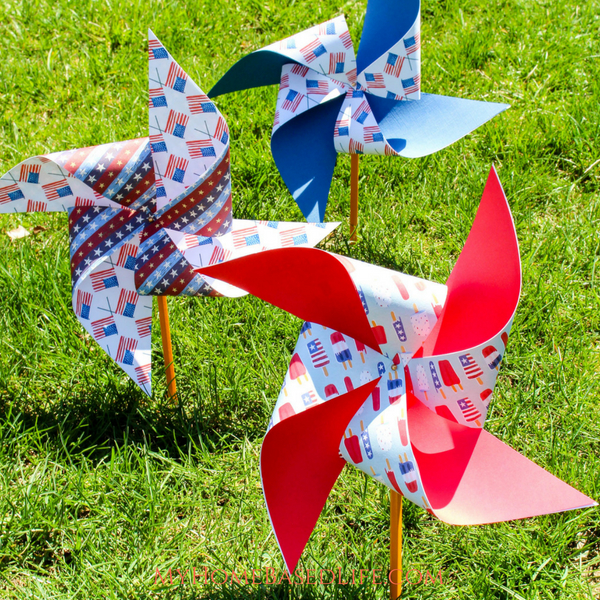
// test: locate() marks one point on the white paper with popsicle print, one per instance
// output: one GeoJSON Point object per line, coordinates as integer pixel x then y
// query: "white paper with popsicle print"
{"type": "Point", "coordinates": [41, 184]}
{"type": "Point", "coordinates": [396, 74]}
{"type": "Point", "coordinates": [326, 364]}
{"type": "Point", "coordinates": [300, 89]}
{"type": "Point", "coordinates": [459, 386]}
{"type": "Point", "coordinates": [325, 48]}
{"type": "Point", "coordinates": [401, 309]}
{"type": "Point", "coordinates": [187, 132]}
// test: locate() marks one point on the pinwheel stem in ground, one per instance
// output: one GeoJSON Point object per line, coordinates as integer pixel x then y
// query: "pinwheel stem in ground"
{"type": "Point", "coordinates": [353, 196]}
{"type": "Point", "coordinates": [165, 331]}
{"type": "Point", "coordinates": [395, 545]}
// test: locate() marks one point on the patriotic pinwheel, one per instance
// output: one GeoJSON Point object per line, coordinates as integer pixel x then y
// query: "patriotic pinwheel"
{"type": "Point", "coordinates": [331, 101]}
{"type": "Point", "coordinates": [396, 379]}
{"type": "Point", "coordinates": [144, 213]}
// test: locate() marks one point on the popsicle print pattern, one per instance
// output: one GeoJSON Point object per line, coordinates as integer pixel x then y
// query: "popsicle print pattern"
{"type": "Point", "coordinates": [442, 383]}
{"type": "Point", "coordinates": [378, 430]}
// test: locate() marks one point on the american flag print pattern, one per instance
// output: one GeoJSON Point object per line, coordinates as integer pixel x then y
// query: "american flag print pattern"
{"type": "Point", "coordinates": [193, 134]}
{"type": "Point", "coordinates": [327, 63]}
{"type": "Point", "coordinates": [104, 328]}
{"type": "Point", "coordinates": [120, 204]}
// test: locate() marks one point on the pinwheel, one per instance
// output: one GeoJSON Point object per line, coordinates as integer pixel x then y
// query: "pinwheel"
{"type": "Point", "coordinates": [394, 375]}
{"type": "Point", "coordinates": [331, 101]}
{"type": "Point", "coordinates": [144, 213]}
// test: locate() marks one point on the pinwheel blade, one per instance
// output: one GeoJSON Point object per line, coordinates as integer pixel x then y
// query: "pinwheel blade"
{"type": "Point", "coordinates": [385, 23]}
{"type": "Point", "coordinates": [471, 478]}
{"type": "Point", "coordinates": [273, 277]}
{"type": "Point", "coordinates": [423, 127]}
{"type": "Point", "coordinates": [305, 155]}
{"type": "Point", "coordinates": [484, 286]}
{"type": "Point", "coordinates": [299, 464]}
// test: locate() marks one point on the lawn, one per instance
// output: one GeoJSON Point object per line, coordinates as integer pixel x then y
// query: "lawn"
{"type": "Point", "coordinates": [100, 486]}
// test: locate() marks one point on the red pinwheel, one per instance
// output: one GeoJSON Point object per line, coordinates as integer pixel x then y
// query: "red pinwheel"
{"type": "Point", "coordinates": [396, 380]}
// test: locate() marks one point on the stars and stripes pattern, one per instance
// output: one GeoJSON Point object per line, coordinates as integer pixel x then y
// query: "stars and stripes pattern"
{"type": "Point", "coordinates": [470, 367]}
{"type": "Point", "coordinates": [470, 413]}
{"type": "Point", "coordinates": [123, 209]}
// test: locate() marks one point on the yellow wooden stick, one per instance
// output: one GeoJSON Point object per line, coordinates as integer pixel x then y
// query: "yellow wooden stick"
{"type": "Point", "coordinates": [165, 332]}
{"type": "Point", "coordinates": [353, 196]}
{"type": "Point", "coordinates": [395, 545]}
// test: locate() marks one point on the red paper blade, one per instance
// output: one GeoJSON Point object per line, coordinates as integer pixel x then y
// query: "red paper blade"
{"type": "Point", "coordinates": [470, 477]}
{"type": "Point", "coordinates": [311, 284]}
{"type": "Point", "coordinates": [300, 462]}
{"type": "Point", "coordinates": [484, 286]}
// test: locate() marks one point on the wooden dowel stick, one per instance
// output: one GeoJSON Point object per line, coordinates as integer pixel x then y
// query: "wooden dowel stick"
{"type": "Point", "coordinates": [353, 196]}
{"type": "Point", "coordinates": [395, 545]}
{"type": "Point", "coordinates": [165, 332]}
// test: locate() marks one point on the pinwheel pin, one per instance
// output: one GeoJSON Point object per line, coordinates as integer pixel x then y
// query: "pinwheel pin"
{"type": "Point", "coordinates": [408, 381]}
{"type": "Point", "coordinates": [144, 213]}
{"type": "Point", "coordinates": [331, 101]}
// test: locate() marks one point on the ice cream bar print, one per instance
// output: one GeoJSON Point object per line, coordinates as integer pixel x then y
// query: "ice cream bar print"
{"type": "Point", "coordinates": [469, 411]}
{"type": "Point", "coordinates": [376, 397]}
{"type": "Point", "coordinates": [379, 333]}
{"type": "Point", "coordinates": [348, 383]}
{"type": "Point", "coordinates": [366, 440]}
{"type": "Point", "coordinates": [437, 307]}
{"type": "Point", "coordinates": [449, 376]}
{"type": "Point", "coordinates": [392, 477]}
{"type": "Point", "coordinates": [471, 368]}
{"type": "Point", "coordinates": [285, 411]}
{"type": "Point", "coordinates": [361, 295]}
{"type": "Point", "coordinates": [422, 382]}
{"type": "Point", "coordinates": [436, 380]}
{"type": "Point", "coordinates": [383, 433]}
{"type": "Point", "coordinates": [309, 398]}
{"type": "Point", "coordinates": [353, 447]}
{"type": "Point", "coordinates": [399, 329]}
{"type": "Point", "coordinates": [361, 349]}
{"type": "Point", "coordinates": [380, 368]}
{"type": "Point", "coordinates": [340, 349]}
{"type": "Point", "coordinates": [402, 428]}
{"type": "Point", "coordinates": [297, 369]}
{"type": "Point", "coordinates": [407, 470]}
{"type": "Point", "coordinates": [395, 387]}
{"type": "Point", "coordinates": [330, 391]}
{"type": "Point", "coordinates": [492, 357]}
{"type": "Point", "coordinates": [420, 322]}
{"type": "Point", "coordinates": [486, 396]}
{"type": "Point", "coordinates": [306, 327]}
{"type": "Point", "coordinates": [401, 287]}
{"type": "Point", "coordinates": [318, 355]}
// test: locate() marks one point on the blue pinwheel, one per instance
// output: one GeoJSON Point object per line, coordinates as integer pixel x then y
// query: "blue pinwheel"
{"type": "Point", "coordinates": [331, 101]}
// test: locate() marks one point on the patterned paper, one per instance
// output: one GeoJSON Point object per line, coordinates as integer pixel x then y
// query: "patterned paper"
{"type": "Point", "coordinates": [145, 213]}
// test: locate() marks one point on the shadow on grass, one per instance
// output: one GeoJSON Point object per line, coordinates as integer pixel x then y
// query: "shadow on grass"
{"type": "Point", "coordinates": [89, 424]}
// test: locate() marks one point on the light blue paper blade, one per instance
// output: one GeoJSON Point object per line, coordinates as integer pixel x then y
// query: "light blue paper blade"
{"type": "Point", "coordinates": [386, 22]}
{"type": "Point", "coordinates": [417, 128]}
{"type": "Point", "coordinates": [262, 67]}
{"type": "Point", "coordinates": [305, 156]}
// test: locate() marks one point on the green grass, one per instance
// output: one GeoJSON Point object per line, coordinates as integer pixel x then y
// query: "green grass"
{"type": "Point", "coordinates": [100, 486]}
